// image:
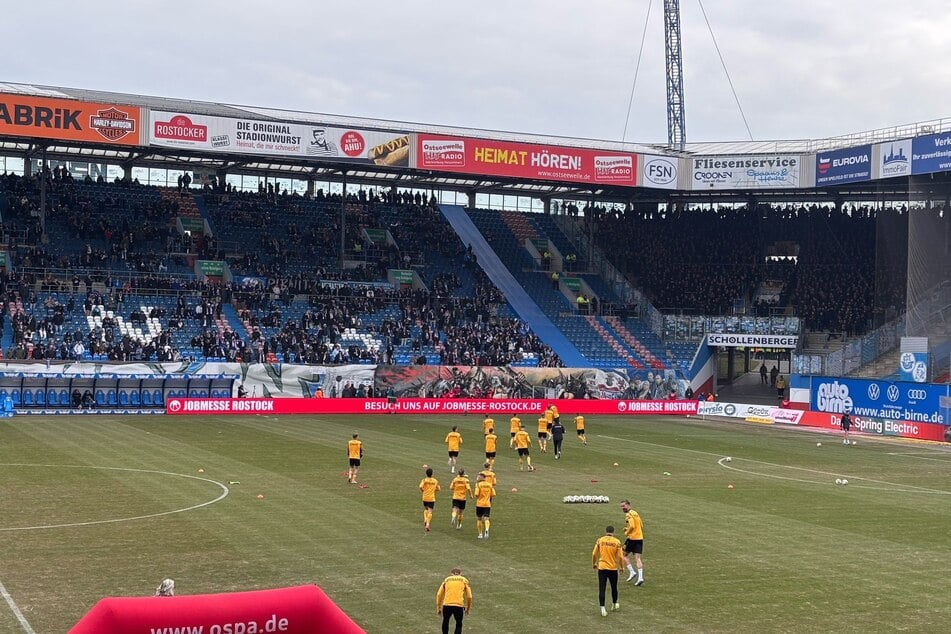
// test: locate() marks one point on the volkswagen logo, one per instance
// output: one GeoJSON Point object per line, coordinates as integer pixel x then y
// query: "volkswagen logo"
{"type": "Point", "coordinates": [893, 393]}
{"type": "Point", "coordinates": [874, 391]}
{"type": "Point", "coordinates": [917, 395]}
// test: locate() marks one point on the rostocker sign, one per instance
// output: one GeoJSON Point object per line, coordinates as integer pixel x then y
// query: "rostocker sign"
{"type": "Point", "coordinates": [752, 341]}
{"type": "Point", "coordinates": [68, 120]}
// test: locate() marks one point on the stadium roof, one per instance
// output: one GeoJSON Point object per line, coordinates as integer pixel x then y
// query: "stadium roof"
{"type": "Point", "coordinates": [383, 176]}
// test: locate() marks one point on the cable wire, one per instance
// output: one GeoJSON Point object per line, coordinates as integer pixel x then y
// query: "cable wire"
{"type": "Point", "coordinates": [637, 67]}
{"type": "Point", "coordinates": [723, 63]}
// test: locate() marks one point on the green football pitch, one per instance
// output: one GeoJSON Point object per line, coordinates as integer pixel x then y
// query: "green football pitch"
{"type": "Point", "coordinates": [109, 506]}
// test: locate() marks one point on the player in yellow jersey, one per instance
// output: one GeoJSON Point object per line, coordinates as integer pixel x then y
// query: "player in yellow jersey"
{"type": "Point", "coordinates": [484, 492]}
{"type": "Point", "coordinates": [491, 445]}
{"type": "Point", "coordinates": [428, 487]}
{"type": "Point", "coordinates": [554, 412]}
{"type": "Point", "coordinates": [515, 423]}
{"type": "Point", "coordinates": [489, 473]}
{"type": "Point", "coordinates": [544, 424]}
{"type": "Point", "coordinates": [453, 600]}
{"type": "Point", "coordinates": [634, 532]}
{"type": "Point", "coordinates": [354, 453]}
{"type": "Point", "coordinates": [579, 427]}
{"type": "Point", "coordinates": [461, 490]}
{"type": "Point", "coordinates": [488, 423]}
{"type": "Point", "coordinates": [522, 443]}
{"type": "Point", "coordinates": [607, 558]}
{"type": "Point", "coordinates": [453, 441]}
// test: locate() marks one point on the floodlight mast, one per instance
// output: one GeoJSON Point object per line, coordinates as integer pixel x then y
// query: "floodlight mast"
{"type": "Point", "coordinates": [676, 128]}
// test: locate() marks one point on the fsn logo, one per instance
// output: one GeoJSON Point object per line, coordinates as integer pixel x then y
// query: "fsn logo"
{"type": "Point", "coordinates": [892, 393]}
{"type": "Point", "coordinates": [874, 391]}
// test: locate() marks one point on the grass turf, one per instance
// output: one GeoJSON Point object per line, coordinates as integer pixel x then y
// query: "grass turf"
{"type": "Point", "coordinates": [785, 550]}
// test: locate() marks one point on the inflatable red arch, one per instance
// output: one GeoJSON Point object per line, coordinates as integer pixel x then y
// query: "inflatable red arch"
{"type": "Point", "coordinates": [296, 610]}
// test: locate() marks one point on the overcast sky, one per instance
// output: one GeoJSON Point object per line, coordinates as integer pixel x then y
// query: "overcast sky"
{"type": "Point", "coordinates": [801, 68]}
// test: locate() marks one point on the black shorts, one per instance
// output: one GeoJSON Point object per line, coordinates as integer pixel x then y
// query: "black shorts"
{"type": "Point", "coordinates": [634, 546]}
{"type": "Point", "coordinates": [581, 432]}
{"type": "Point", "coordinates": [490, 454]}
{"type": "Point", "coordinates": [846, 426]}
{"type": "Point", "coordinates": [543, 435]}
{"type": "Point", "coordinates": [483, 511]}
{"type": "Point", "coordinates": [354, 462]}
{"type": "Point", "coordinates": [459, 504]}
{"type": "Point", "coordinates": [523, 452]}
{"type": "Point", "coordinates": [513, 434]}
{"type": "Point", "coordinates": [429, 505]}
{"type": "Point", "coordinates": [453, 454]}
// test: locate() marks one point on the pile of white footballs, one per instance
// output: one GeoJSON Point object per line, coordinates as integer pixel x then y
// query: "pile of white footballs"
{"type": "Point", "coordinates": [841, 481]}
{"type": "Point", "coordinates": [586, 499]}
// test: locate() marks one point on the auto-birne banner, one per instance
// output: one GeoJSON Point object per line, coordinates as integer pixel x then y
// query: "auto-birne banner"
{"type": "Point", "coordinates": [484, 157]}
{"type": "Point", "coordinates": [69, 120]}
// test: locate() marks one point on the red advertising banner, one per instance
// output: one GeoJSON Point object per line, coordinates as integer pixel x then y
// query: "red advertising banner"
{"type": "Point", "coordinates": [246, 406]}
{"type": "Point", "coordinates": [485, 157]}
{"type": "Point", "coordinates": [68, 120]}
{"type": "Point", "coordinates": [878, 426]}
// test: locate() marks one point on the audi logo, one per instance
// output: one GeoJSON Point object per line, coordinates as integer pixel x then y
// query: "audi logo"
{"type": "Point", "coordinates": [917, 395]}
{"type": "Point", "coordinates": [874, 391]}
{"type": "Point", "coordinates": [893, 393]}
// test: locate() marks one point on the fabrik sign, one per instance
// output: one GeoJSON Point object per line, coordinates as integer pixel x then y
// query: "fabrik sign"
{"type": "Point", "coordinates": [484, 157]}
{"type": "Point", "coordinates": [659, 172]}
{"type": "Point", "coordinates": [745, 172]}
{"type": "Point", "coordinates": [851, 165]}
{"type": "Point", "coordinates": [752, 341]}
{"type": "Point", "coordinates": [67, 120]}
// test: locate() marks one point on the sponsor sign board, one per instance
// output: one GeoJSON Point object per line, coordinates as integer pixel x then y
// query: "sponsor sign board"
{"type": "Point", "coordinates": [894, 159]}
{"type": "Point", "coordinates": [734, 410]}
{"type": "Point", "coordinates": [196, 406]}
{"type": "Point", "coordinates": [276, 138]}
{"type": "Point", "coordinates": [850, 165]}
{"type": "Point", "coordinates": [752, 341]}
{"type": "Point", "coordinates": [660, 172]}
{"type": "Point", "coordinates": [213, 268]}
{"type": "Point", "coordinates": [931, 153]}
{"type": "Point", "coordinates": [68, 120]}
{"type": "Point", "coordinates": [769, 171]}
{"type": "Point", "coordinates": [195, 224]}
{"type": "Point", "coordinates": [525, 160]}
{"type": "Point", "coordinates": [401, 276]}
{"type": "Point", "coordinates": [573, 284]}
{"type": "Point", "coordinates": [914, 402]}
{"type": "Point", "coordinates": [876, 425]}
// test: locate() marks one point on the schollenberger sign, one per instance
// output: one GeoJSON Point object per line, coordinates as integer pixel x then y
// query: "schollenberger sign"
{"type": "Point", "coordinates": [753, 341]}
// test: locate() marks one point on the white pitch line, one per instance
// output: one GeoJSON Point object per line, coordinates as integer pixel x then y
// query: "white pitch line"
{"type": "Point", "coordinates": [16, 610]}
{"type": "Point", "coordinates": [901, 488]}
{"type": "Point", "coordinates": [224, 494]}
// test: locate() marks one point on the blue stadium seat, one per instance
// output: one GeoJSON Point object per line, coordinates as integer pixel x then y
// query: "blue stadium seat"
{"type": "Point", "coordinates": [100, 398]}
{"type": "Point", "coordinates": [123, 398]}
{"type": "Point", "coordinates": [28, 397]}
{"type": "Point", "coordinates": [51, 397]}
{"type": "Point", "coordinates": [111, 398]}
{"type": "Point", "coordinates": [134, 398]}
{"type": "Point", "coordinates": [64, 398]}
{"type": "Point", "coordinates": [15, 396]}
{"type": "Point", "coordinates": [41, 397]}
{"type": "Point", "coordinates": [147, 398]}
{"type": "Point", "coordinates": [3, 395]}
{"type": "Point", "coordinates": [157, 397]}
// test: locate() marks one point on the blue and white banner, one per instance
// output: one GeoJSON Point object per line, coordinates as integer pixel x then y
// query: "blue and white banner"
{"type": "Point", "coordinates": [769, 171]}
{"type": "Point", "coordinates": [913, 366]}
{"type": "Point", "coordinates": [850, 165]}
{"type": "Point", "coordinates": [931, 153]}
{"type": "Point", "coordinates": [915, 402]}
{"type": "Point", "coordinates": [659, 171]}
{"type": "Point", "coordinates": [894, 159]}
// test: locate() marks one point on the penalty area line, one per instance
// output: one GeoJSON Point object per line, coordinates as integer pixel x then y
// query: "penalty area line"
{"type": "Point", "coordinates": [16, 610]}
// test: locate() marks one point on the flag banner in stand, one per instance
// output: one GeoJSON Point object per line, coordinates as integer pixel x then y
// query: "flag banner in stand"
{"type": "Point", "coordinates": [894, 159]}
{"type": "Point", "coordinates": [483, 157]}
{"type": "Point", "coordinates": [68, 120]}
{"type": "Point", "coordinates": [931, 153]}
{"type": "Point", "coordinates": [660, 172]}
{"type": "Point", "coordinates": [197, 406]}
{"type": "Point", "coordinates": [851, 165]}
{"type": "Point", "coordinates": [771, 171]}
{"type": "Point", "coordinates": [275, 138]}
{"type": "Point", "coordinates": [913, 366]}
